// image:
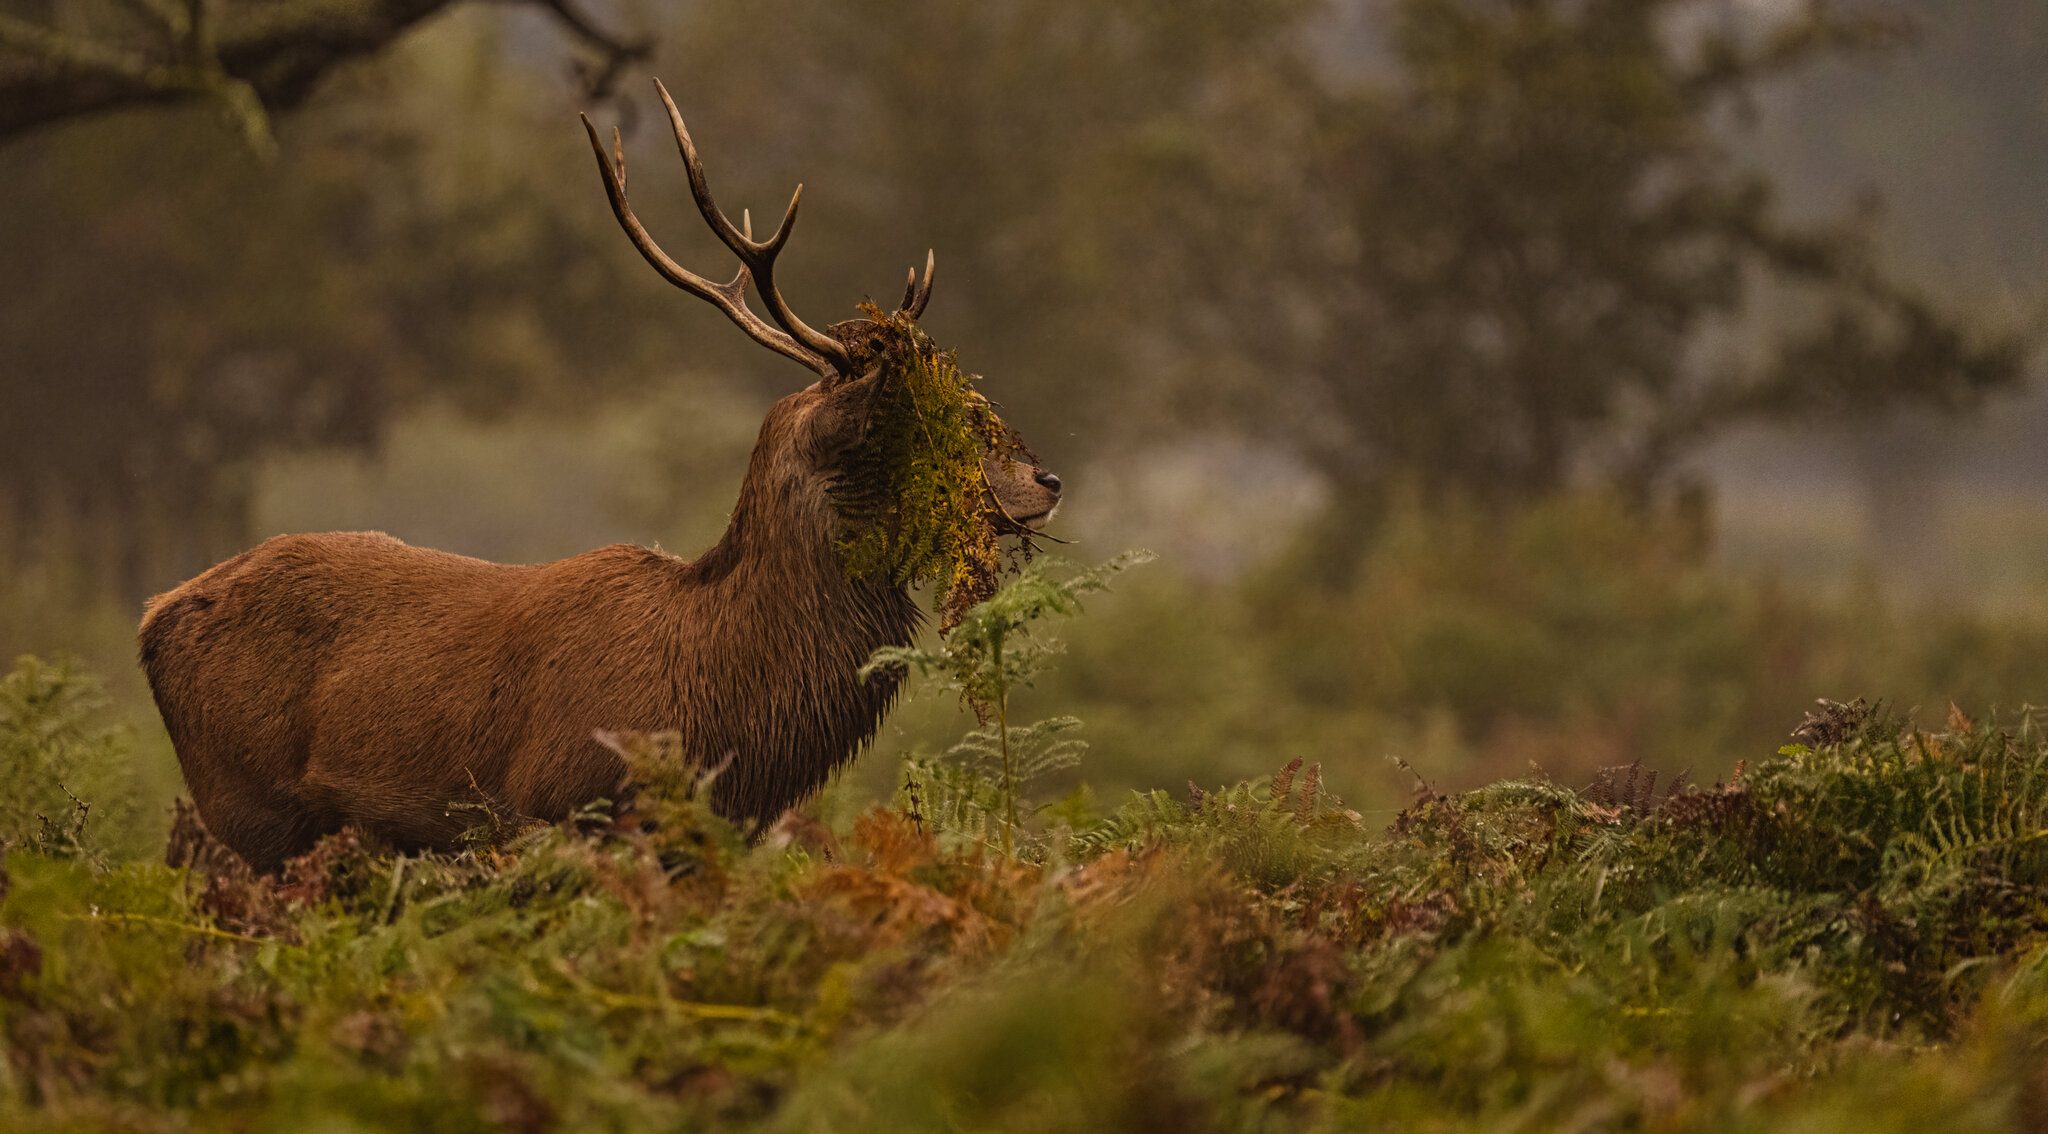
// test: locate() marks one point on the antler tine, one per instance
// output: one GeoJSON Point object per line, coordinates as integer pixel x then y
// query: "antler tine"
{"type": "Point", "coordinates": [729, 297]}
{"type": "Point", "coordinates": [915, 297]}
{"type": "Point", "coordinates": [758, 256]}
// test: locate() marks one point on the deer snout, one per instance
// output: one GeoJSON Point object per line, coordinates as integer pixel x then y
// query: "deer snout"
{"type": "Point", "coordinates": [1026, 493]}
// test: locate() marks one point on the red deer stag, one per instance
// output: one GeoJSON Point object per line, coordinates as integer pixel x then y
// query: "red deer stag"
{"type": "Point", "coordinates": [318, 681]}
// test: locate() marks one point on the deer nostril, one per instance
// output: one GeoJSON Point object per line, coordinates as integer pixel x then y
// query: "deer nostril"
{"type": "Point", "coordinates": [1051, 481]}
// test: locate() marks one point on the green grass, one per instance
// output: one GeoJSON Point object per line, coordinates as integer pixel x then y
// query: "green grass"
{"type": "Point", "coordinates": [1846, 936]}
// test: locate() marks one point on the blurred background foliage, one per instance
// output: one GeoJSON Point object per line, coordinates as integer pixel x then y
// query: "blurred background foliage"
{"type": "Point", "coordinates": [1567, 381]}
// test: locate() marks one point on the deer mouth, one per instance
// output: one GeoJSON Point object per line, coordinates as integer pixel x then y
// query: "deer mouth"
{"type": "Point", "coordinates": [1035, 521]}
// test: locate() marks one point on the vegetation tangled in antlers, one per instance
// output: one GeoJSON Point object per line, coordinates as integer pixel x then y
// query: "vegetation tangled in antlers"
{"type": "Point", "coordinates": [914, 494]}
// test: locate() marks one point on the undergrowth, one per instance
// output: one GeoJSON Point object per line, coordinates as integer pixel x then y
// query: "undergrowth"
{"type": "Point", "coordinates": [1845, 934]}
{"type": "Point", "coordinates": [977, 789]}
{"type": "Point", "coordinates": [62, 769]}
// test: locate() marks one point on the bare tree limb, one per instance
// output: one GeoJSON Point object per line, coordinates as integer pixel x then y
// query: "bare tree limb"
{"type": "Point", "coordinates": [167, 16]}
{"type": "Point", "coordinates": [265, 59]}
{"type": "Point", "coordinates": [196, 76]}
{"type": "Point", "coordinates": [615, 54]}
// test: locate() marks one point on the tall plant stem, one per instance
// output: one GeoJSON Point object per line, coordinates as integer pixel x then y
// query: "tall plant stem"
{"type": "Point", "coordinates": [999, 686]}
{"type": "Point", "coordinates": [1009, 780]}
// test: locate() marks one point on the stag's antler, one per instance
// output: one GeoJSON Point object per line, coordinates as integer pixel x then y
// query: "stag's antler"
{"type": "Point", "coordinates": [757, 256]}
{"type": "Point", "coordinates": [729, 297]}
{"type": "Point", "coordinates": [915, 296]}
{"type": "Point", "coordinates": [795, 339]}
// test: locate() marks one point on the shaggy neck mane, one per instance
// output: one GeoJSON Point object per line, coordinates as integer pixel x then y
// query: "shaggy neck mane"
{"type": "Point", "coordinates": [781, 631]}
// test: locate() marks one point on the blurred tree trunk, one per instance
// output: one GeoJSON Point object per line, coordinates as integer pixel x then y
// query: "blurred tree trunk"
{"type": "Point", "coordinates": [1903, 465]}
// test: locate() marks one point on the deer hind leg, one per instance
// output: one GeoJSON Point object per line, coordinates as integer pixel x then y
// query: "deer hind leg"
{"type": "Point", "coordinates": [402, 816]}
{"type": "Point", "coordinates": [265, 826]}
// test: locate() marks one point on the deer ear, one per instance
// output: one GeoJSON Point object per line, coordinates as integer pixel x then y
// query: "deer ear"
{"type": "Point", "coordinates": [842, 415]}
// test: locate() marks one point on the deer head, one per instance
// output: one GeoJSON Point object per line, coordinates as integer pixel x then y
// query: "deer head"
{"type": "Point", "coordinates": [809, 438]}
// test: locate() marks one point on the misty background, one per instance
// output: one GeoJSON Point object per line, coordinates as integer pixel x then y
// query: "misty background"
{"type": "Point", "coordinates": [1501, 382]}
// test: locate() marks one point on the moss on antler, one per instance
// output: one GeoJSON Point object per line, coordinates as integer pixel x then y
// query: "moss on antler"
{"type": "Point", "coordinates": [915, 498]}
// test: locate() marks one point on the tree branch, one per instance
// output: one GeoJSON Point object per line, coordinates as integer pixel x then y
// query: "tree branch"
{"type": "Point", "coordinates": [615, 54]}
{"type": "Point", "coordinates": [1732, 63]}
{"type": "Point", "coordinates": [267, 59]}
{"type": "Point", "coordinates": [125, 74]}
